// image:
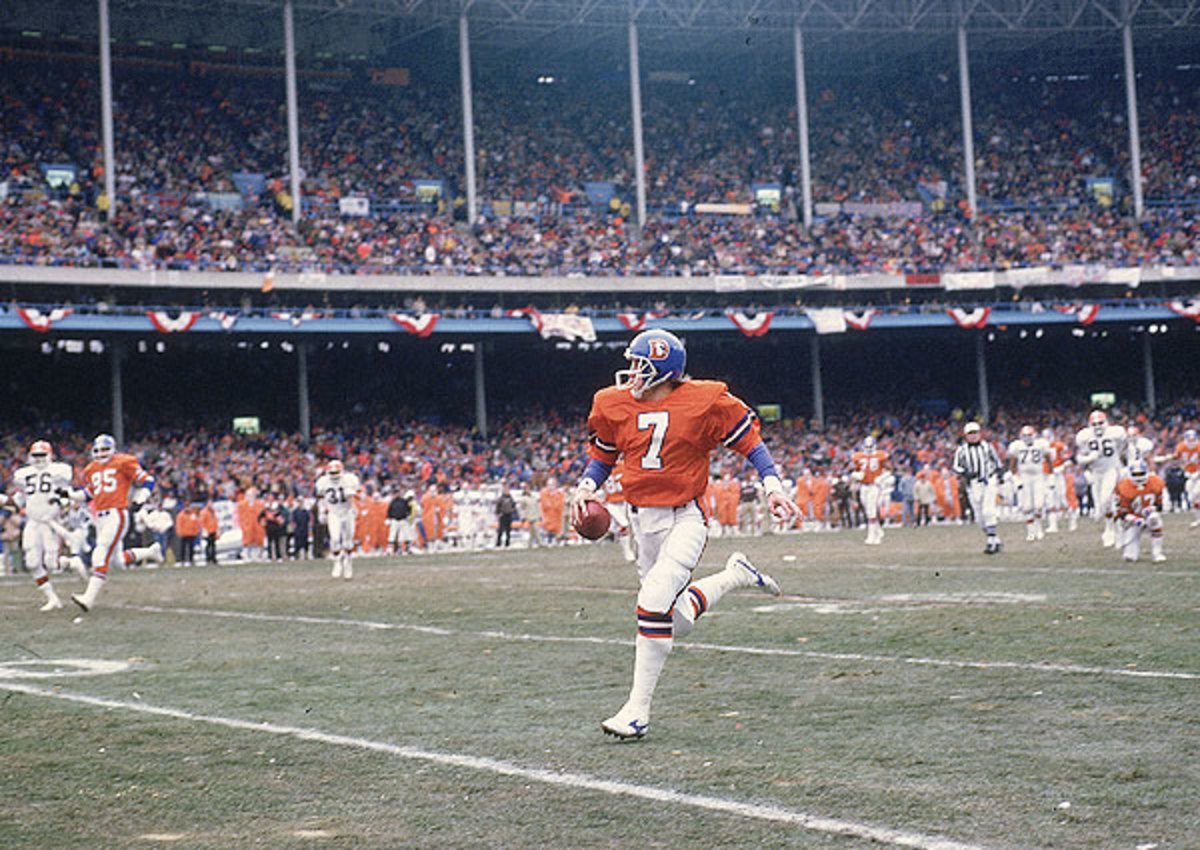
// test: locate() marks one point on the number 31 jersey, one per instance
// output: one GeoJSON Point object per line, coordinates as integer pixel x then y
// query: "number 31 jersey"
{"type": "Point", "coordinates": [667, 443]}
{"type": "Point", "coordinates": [336, 493]}
{"type": "Point", "coordinates": [36, 486]}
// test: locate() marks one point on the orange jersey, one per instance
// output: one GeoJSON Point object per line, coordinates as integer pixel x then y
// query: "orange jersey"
{"type": "Point", "coordinates": [108, 484]}
{"type": "Point", "coordinates": [1190, 455]}
{"type": "Point", "coordinates": [1056, 458]}
{"type": "Point", "coordinates": [1134, 499]}
{"type": "Point", "coordinates": [870, 464]}
{"type": "Point", "coordinates": [667, 443]}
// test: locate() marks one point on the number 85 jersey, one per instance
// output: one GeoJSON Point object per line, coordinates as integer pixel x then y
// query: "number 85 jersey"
{"type": "Point", "coordinates": [667, 443]}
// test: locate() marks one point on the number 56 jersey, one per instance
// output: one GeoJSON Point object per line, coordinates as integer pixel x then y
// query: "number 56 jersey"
{"type": "Point", "coordinates": [667, 443]}
{"type": "Point", "coordinates": [35, 486]}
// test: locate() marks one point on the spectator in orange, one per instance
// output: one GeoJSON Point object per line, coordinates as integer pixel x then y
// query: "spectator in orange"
{"type": "Point", "coordinates": [553, 501]}
{"type": "Point", "coordinates": [187, 528]}
{"type": "Point", "coordinates": [820, 488]}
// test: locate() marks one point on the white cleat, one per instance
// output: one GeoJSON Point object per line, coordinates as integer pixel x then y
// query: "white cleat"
{"type": "Point", "coordinates": [626, 724]}
{"type": "Point", "coordinates": [751, 576]}
{"type": "Point", "coordinates": [348, 571]}
{"type": "Point", "coordinates": [52, 605]}
{"type": "Point", "coordinates": [77, 598]}
{"type": "Point", "coordinates": [1159, 557]}
{"type": "Point", "coordinates": [156, 553]}
{"type": "Point", "coordinates": [337, 569]}
{"type": "Point", "coordinates": [1108, 538]}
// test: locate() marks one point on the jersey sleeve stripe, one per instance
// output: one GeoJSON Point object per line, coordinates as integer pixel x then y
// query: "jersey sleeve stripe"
{"type": "Point", "coordinates": [739, 429]}
{"type": "Point", "coordinates": [603, 446]}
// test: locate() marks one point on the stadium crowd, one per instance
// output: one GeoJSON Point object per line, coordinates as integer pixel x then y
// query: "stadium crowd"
{"type": "Point", "coordinates": [183, 132]}
{"type": "Point", "coordinates": [451, 479]}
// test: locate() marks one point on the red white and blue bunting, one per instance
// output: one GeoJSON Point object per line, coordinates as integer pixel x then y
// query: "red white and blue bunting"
{"type": "Point", "coordinates": [41, 322]}
{"type": "Point", "coordinates": [977, 318]}
{"type": "Point", "coordinates": [165, 323]}
{"type": "Point", "coordinates": [421, 326]}
{"type": "Point", "coordinates": [757, 325]}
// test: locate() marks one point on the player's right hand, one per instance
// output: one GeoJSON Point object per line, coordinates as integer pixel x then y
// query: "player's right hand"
{"type": "Point", "coordinates": [579, 499]}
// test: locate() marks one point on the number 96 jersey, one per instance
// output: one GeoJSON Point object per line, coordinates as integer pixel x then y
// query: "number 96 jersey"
{"type": "Point", "coordinates": [1103, 452]}
{"type": "Point", "coordinates": [35, 486]}
{"type": "Point", "coordinates": [667, 443]}
{"type": "Point", "coordinates": [336, 494]}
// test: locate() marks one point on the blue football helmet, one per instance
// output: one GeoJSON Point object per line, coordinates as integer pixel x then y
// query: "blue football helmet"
{"type": "Point", "coordinates": [103, 447]}
{"type": "Point", "coordinates": [868, 443]}
{"type": "Point", "coordinates": [654, 357]}
{"type": "Point", "coordinates": [1189, 436]}
{"type": "Point", "coordinates": [1139, 472]}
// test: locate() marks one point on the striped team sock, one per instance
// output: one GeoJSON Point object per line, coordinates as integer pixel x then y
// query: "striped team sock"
{"type": "Point", "coordinates": [654, 641]}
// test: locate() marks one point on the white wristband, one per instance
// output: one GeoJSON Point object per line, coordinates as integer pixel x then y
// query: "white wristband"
{"type": "Point", "coordinates": [587, 485]}
{"type": "Point", "coordinates": [772, 484]}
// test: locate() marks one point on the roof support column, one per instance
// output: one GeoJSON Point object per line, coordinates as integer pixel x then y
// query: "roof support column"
{"type": "Point", "coordinates": [802, 120]}
{"type": "Point", "coordinates": [106, 114]}
{"type": "Point", "coordinates": [968, 132]}
{"type": "Point", "coordinates": [981, 376]}
{"type": "Point", "coordinates": [1148, 374]}
{"type": "Point", "coordinates": [305, 411]}
{"type": "Point", "coordinates": [635, 97]}
{"type": "Point", "coordinates": [293, 120]}
{"type": "Point", "coordinates": [1135, 139]}
{"type": "Point", "coordinates": [117, 351]}
{"type": "Point", "coordinates": [480, 392]}
{"type": "Point", "coordinates": [464, 71]}
{"type": "Point", "coordinates": [814, 355]}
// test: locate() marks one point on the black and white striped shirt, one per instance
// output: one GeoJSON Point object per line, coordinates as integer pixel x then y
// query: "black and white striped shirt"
{"type": "Point", "coordinates": [977, 461]}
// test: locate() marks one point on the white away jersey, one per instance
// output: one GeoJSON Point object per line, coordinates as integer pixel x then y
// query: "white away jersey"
{"type": "Point", "coordinates": [336, 493]}
{"type": "Point", "coordinates": [1103, 452]}
{"type": "Point", "coordinates": [1030, 457]}
{"type": "Point", "coordinates": [34, 488]}
{"type": "Point", "coordinates": [1138, 448]}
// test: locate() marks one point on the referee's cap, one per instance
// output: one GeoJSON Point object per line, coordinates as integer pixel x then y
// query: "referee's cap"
{"type": "Point", "coordinates": [971, 428]}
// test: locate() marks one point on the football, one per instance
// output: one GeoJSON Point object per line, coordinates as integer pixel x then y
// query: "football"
{"type": "Point", "coordinates": [595, 522]}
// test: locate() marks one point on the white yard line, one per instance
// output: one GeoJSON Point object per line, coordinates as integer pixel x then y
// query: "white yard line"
{"type": "Point", "coordinates": [575, 781]}
{"type": "Point", "coordinates": [687, 645]}
{"type": "Point", "coordinates": [1131, 572]}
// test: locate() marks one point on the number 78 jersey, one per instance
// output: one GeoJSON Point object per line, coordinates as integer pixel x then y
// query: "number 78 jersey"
{"type": "Point", "coordinates": [667, 443]}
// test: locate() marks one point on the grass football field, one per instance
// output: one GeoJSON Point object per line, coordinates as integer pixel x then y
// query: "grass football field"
{"type": "Point", "coordinates": [915, 694]}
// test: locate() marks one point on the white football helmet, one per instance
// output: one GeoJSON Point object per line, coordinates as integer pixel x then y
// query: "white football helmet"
{"type": "Point", "coordinates": [40, 454]}
{"type": "Point", "coordinates": [103, 448]}
{"type": "Point", "coordinates": [334, 470]}
{"type": "Point", "coordinates": [1098, 421]}
{"type": "Point", "coordinates": [1028, 435]}
{"type": "Point", "coordinates": [868, 443]}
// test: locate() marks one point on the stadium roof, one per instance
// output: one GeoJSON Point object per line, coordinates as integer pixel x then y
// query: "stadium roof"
{"type": "Point", "coordinates": [675, 28]}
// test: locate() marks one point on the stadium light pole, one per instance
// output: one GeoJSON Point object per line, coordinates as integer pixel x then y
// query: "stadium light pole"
{"type": "Point", "coordinates": [464, 70]}
{"type": "Point", "coordinates": [639, 152]}
{"type": "Point", "coordinates": [968, 131]}
{"type": "Point", "coordinates": [802, 120]}
{"type": "Point", "coordinates": [1148, 373]}
{"type": "Point", "coordinates": [1135, 139]}
{"type": "Point", "coordinates": [117, 349]}
{"type": "Point", "coordinates": [480, 392]}
{"type": "Point", "coordinates": [302, 391]}
{"type": "Point", "coordinates": [814, 349]}
{"type": "Point", "coordinates": [106, 114]}
{"type": "Point", "coordinates": [981, 376]}
{"type": "Point", "coordinates": [293, 121]}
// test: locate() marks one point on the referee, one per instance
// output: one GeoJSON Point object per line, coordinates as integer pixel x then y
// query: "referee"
{"type": "Point", "coordinates": [977, 463]}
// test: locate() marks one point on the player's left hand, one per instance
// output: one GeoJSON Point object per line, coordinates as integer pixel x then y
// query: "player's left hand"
{"type": "Point", "coordinates": [781, 507]}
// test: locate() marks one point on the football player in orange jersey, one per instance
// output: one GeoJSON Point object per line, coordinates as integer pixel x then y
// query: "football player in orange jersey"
{"type": "Point", "coordinates": [1139, 507]}
{"type": "Point", "coordinates": [107, 481]}
{"type": "Point", "coordinates": [870, 466]}
{"type": "Point", "coordinates": [1187, 450]}
{"type": "Point", "coordinates": [667, 425]}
